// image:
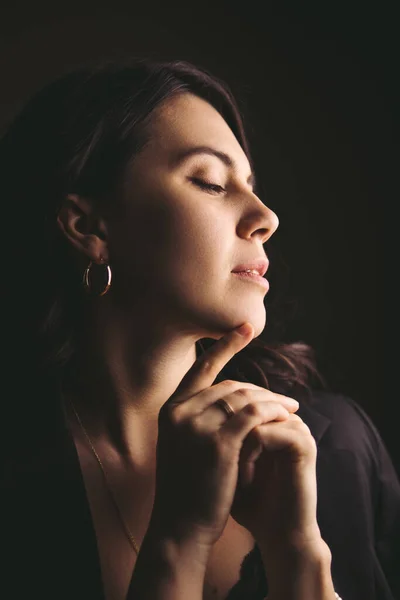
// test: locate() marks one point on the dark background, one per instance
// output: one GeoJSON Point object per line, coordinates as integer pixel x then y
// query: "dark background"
{"type": "Point", "coordinates": [316, 83]}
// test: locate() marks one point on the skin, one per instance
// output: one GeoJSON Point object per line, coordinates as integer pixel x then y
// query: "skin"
{"type": "Point", "coordinates": [162, 217]}
{"type": "Point", "coordinates": [172, 245]}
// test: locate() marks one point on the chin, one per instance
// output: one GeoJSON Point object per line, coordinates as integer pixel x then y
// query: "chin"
{"type": "Point", "coordinates": [257, 317]}
{"type": "Point", "coordinates": [229, 322]}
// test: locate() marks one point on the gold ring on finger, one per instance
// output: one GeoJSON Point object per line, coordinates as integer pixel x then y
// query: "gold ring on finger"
{"type": "Point", "coordinates": [226, 407]}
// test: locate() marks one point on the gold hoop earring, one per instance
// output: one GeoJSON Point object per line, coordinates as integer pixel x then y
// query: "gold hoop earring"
{"type": "Point", "coordinates": [86, 280]}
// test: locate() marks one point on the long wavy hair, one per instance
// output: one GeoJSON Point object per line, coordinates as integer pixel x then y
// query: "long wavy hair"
{"type": "Point", "coordinates": [77, 135]}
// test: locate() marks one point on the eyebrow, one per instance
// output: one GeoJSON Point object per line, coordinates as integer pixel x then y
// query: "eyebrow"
{"type": "Point", "coordinates": [223, 157]}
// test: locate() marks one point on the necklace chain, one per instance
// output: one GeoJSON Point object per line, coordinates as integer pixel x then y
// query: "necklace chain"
{"type": "Point", "coordinates": [107, 483]}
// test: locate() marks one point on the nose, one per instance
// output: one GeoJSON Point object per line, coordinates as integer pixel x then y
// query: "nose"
{"type": "Point", "coordinates": [258, 220]}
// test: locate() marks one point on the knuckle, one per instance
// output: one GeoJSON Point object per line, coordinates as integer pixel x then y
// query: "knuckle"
{"type": "Point", "coordinates": [173, 416]}
{"type": "Point", "coordinates": [228, 382]}
{"type": "Point", "coordinates": [194, 427]}
{"type": "Point", "coordinates": [311, 445]}
{"type": "Point", "coordinates": [305, 432]}
{"type": "Point", "coordinates": [244, 392]}
{"type": "Point", "coordinates": [252, 410]}
{"type": "Point", "coordinates": [297, 421]}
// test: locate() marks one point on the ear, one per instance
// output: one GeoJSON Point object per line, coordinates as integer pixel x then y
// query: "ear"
{"type": "Point", "coordinates": [83, 227]}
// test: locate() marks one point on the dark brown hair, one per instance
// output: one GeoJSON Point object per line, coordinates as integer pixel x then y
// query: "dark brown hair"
{"type": "Point", "coordinates": [76, 135]}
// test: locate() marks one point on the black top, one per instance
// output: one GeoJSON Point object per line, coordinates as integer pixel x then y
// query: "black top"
{"type": "Point", "coordinates": [48, 540]}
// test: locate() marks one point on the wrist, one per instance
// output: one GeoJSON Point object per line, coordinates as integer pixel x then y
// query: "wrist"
{"type": "Point", "coordinates": [300, 572]}
{"type": "Point", "coordinates": [294, 544]}
{"type": "Point", "coordinates": [296, 551]}
{"type": "Point", "coordinates": [168, 568]}
{"type": "Point", "coordinates": [177, 538]}
{"type": "Point", "coordinates": [178, 551]}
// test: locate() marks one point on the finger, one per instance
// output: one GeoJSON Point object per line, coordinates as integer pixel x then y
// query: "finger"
{"type": "Point", "coordinates": [235, 429]}
{"type": "Point", "coordinates": [237, 393]}
{"type": "Point", "coordinates": [207, 367]}
{"type": "Point", "coordinates": [211, 416]}
{"type": "Point", "coordinates": [294, 435]}
{"type": "Point", "coordinates": [251, 450]}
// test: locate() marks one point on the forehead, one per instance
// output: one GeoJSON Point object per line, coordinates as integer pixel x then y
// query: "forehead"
{"type": "Point", "coordinates": [185, 121]}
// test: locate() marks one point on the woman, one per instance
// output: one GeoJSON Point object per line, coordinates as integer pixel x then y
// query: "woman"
{"type": "Point", "coordinates": [137, 462]}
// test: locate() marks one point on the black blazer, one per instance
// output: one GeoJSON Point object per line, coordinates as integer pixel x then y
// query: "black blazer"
{"type": "Point", "coordinates": [48, 541]}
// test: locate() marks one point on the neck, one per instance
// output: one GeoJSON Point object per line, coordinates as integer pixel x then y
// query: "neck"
{"type": "Point", "coordinates": [123, 377]}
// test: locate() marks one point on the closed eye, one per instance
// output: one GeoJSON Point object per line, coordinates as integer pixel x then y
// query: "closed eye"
{"type": "Point", "coordinates": [206, 185]}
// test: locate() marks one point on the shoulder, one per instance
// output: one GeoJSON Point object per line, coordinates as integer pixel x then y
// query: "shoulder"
{"type": "Point", "coordinates": [347, 425]}
{"type": "Point", "coordinates": [338, 407]}
{"type": "Point", "coordinates": [346, 415]}
{"type": "Point", "coordinates": [349, 428]}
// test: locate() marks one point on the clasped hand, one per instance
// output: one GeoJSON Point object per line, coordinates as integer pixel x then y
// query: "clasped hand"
{"type": "Point", "coordinates": [257, 465]}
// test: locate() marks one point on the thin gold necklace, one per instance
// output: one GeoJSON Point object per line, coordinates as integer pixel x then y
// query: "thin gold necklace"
{"type": "Point", "coordinates": [107, 484]}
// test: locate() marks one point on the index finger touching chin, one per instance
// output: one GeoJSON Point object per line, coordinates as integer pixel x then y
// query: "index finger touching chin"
{"type": "Point", "coordinates": [207, 367]}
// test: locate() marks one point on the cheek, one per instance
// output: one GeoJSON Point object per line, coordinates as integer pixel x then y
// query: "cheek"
{"type": "Point", "coordinates": [198, 260]}
{"type": "Point", "coordinates": [139, 239]}
{"type": "Point", "coordinates": [197, 237]}
{"type": "Point", "coordinates": [174, 235]}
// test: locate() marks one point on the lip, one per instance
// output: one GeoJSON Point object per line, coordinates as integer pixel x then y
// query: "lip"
{"type": "Point", "coordinates": [259, 264]}
{"type": "Point", "coordinates": [251, 278]}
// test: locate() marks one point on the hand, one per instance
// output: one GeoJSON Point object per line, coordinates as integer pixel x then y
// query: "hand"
{"type": "Point", "coordinates": [276, 499]}
{"type": "Point", "coordinates": [199, 448]}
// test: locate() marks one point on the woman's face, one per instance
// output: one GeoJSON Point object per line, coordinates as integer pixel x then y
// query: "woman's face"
{"type": "Point", "coordinates": [175, 242]}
